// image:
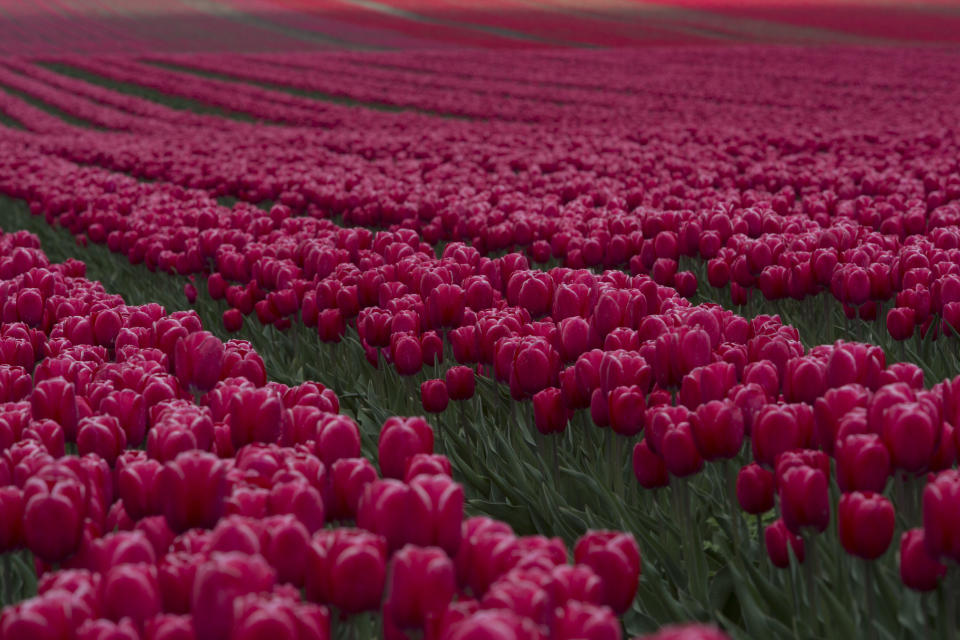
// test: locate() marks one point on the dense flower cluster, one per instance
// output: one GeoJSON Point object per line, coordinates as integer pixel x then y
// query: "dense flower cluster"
{"type": "Point", "coordinates": [196, 501]}
{"type": "Point", "coordinates": [431, 242]}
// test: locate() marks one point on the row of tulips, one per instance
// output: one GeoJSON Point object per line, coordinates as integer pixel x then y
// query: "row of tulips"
{"type": "Point", "coordinates": [624, 346]}
{"type": "Point", "coordinates": [213, 529]}
{"type": "Point", "coordinates": [817, 220]}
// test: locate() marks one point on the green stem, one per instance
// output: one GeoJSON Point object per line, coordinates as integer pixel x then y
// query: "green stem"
{"type": "Point", "coordinates": [948, 612]}
{"type": "Point", "coordinates": [868, 580]}
{"type": "Point", "coordinates": [554, 461]}
{"type": "Point", "coordinates": [731, 472]}
{"type": "Point", "coordinates": [810, 576]}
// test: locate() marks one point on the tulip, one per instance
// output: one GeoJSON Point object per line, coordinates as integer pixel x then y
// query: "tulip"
{"type": "Point", "coordinates": [53, 517]}
{"type": "Point", "coordinates": [614, 557]}
{"type": "Point", "coordinates": [687, 632]}
{"type": "Point", "coordinates": [55, 399]}
{"type": "Point", "coordinates": [919, 570]}
{"type": "Point", "coordinates": [717, 429]}
{"type": "Point", "coordinates": [221, 581]}
{"type": "Point", "coordinates": [494, 624]}
{"type": "Point", "coordinates": [865, 522]}
{"type": "Point", "coordinates": [804, 499]}
{"type": "Point", "coordinates": [626, 410]}
{"type": "Point", "coordinates": [349, 477]}
{"type": "Point", "coordinates": [550, 413]}
{"type": "Point", "coordinates": [401, 439]}
{"type": "Point", "coordinates": [434, 396]}
{"type": "Point", "coordinates": [420, 586]}
{"type": "Point", "coordinates": [755, 487]}
{"type": "Point", "coordinates": [679, 450]}
{"type": "Point", "coordinates": [910, 434]}
{"type": "Point", "coordinates": [442, 500]}
{"type": "Point", "coordinates": [778, 428]}
{"type": "Point", "coordinates": [331, 325]}
{"type": "Point", "coordinates": [901, 322]}
{"type": "Point", "coordinates": [461, 382]}
{"type": "Point", "coordinates": [941, 518]}
{"type": "Point", "coordinates": [198, 359]}
{"type": "Point", "coordinates": [101, 435]}
{"type": "Point", "coordinates": [11, 518]}
{"type": "Point", "coordinates": [232, 320]}
{"type": "Point", "coordinates": [300, 499]}
{"type": "Point", "coordinates": [648, 467]}
{"type": "Point", "coordinates": [131, 591]}
{"type": "Point", "coordinates": [256, 415]}
{"type": "Point", "coordinates": [406, 353]}
{"type": "Point", "coordinates": [863, 463]}
{"type": "Point", "coordinates": [346, 568]}
{"type": "Point", "coordinates": [389, 508]}
{"type": "Point", "coordinates": [776, 536]}
{"type": "Point", "coordinates": [169, 627]}
{"type": "Point", "coordinates": [192, 489]}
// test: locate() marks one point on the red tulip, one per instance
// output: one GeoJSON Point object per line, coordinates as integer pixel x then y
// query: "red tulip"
{"type": "Point", "coordinates": [347, 568]}
{"type": "Point", "coordinates": [754, 488]}
{"type": "Point", "coordinates": [863, 463]}
{"type": "Point", "coordinates": [192, 489]}
{"type": "Point", "coordinates": [718, 429]}
{"type": "Point", "coordinates": [420, 586]}
{"type": "Point", "coordinates": [941, 517]}
{"type": "Point", "coordinates": [648, 467]}
{"type": "Point", "coordinates": [349, 477]}
{"type": "Point", "coordinates": [131, 591]}
{"type": "Point", "coordinates": [434, 396]}
{"type": "Point", "coordinates": [865, 522]}
{"type": "Point", "coordinates": [919, 570]}
{"type": "Point", "coordinates": [776, 536]}
{"type": "Point", "coordinates": [549, 412]}
{"type": "Point", "coordinates": [219, 583]}
{"type": "Point", "coordinates": [614, 557]}
{"type": "Point", "coordinates": [400, 439]}
{"type": "Point", "coordinates": [198, 358]}
{"type": "Point", "coordinates": [804, 499]}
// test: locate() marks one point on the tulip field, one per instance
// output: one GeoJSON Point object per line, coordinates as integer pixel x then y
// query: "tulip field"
{"type": "Point", "coordinates": [436, 320]}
